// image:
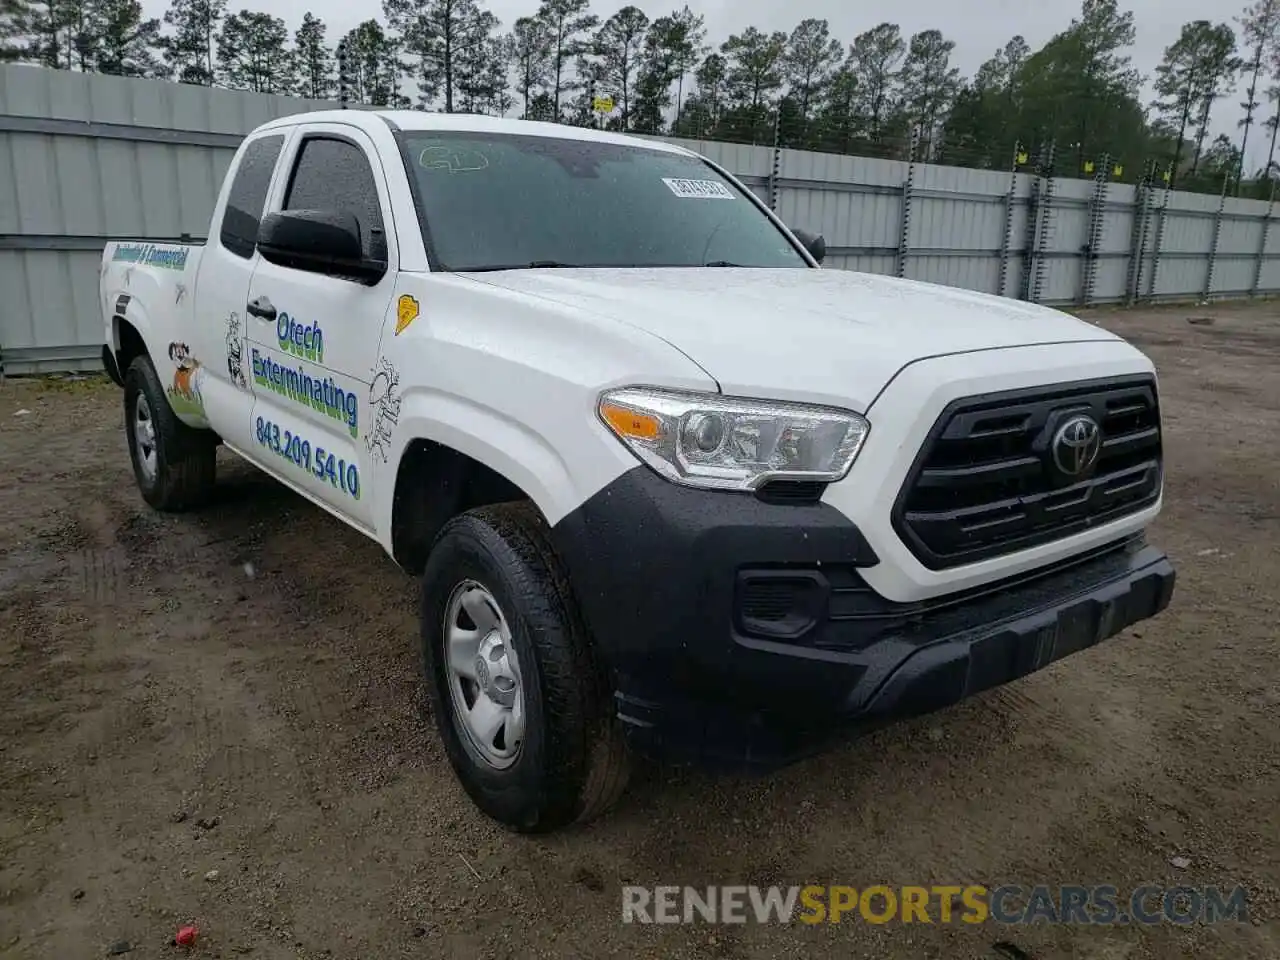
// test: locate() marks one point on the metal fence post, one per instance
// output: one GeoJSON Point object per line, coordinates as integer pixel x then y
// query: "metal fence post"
{"type": "Point", "coordinates": [1007, 241]}
{"type": "Point", "coordinates": [1217, 234]}
{"type": "Point", "coordinates": [344, 79]}
{"type": "Point", "coordinates": [908, 187]}
{"type": "Point", "coordinates": [1044, 231]}
{"type": "Point", "coordinates": [1159, 242]}
{"type": "Point", "coordinates": [1138, 236]}
{"type": "Point", "coordinates": [777, 159]}
{"type": "Point", "coordinates": [1093, 239]}
{"type": "Point", "coordinates": [1262, 245]}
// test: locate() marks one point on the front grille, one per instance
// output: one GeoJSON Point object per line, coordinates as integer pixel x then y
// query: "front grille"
{"type": "Point", "coordinates": [986, 482]}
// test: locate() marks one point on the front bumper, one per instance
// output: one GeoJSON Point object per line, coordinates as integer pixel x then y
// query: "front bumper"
{"type": "Point", "coordinates": [741, 634]}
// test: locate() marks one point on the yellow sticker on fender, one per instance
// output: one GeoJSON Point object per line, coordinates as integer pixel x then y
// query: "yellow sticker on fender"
{"type": "Point", "coordinates": [406, 312]}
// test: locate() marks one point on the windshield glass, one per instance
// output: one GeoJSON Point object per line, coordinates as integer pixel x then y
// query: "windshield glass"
{"type": "Point", "coordinates": [503, 201]}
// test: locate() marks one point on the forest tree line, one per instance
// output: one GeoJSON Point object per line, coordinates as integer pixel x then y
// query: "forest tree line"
{"type": "Point", "coordinates": [880, 93]}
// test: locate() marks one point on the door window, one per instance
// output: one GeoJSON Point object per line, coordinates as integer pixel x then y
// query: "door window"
{"type": "Point", "coordinates": [334, 174]}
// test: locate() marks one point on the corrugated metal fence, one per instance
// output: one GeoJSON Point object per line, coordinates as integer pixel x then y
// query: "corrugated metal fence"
{"type": "Point", "coordinates": [85, 157]}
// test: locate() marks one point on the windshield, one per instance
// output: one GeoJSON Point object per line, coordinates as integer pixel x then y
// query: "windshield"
{"type": "Point", "coordinates": [503, 201]}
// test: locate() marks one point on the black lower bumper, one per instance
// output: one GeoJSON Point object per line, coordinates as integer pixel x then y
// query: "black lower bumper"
{"type": "Point", "coordinates": [741, 634]}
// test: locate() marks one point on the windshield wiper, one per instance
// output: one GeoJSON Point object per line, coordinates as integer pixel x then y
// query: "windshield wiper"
{"type": "Point", "coordinates": [532, 265]}
{"type": "Point", "coordinates": [721, 263]}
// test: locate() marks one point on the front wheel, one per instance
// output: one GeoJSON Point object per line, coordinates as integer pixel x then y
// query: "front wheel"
{"type": "Point", "coordinates": [520, 701]}
{"type": "Point", "coordinates": [173, 463]}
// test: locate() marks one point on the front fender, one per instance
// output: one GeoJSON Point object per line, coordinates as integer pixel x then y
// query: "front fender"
{"type": "Point", "coordinates": [512, 449]}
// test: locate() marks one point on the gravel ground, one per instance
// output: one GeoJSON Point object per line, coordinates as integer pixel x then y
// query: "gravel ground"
{"type": "Point", "coordinates": [237, 691]}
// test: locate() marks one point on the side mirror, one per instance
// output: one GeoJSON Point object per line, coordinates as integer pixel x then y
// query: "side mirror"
{"type": "Point", "coordinates": [318, 241]}
{"type": "Point", "coordinates": [814, 243]}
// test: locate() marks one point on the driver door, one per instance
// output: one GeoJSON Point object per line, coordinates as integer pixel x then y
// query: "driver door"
{"type": "Point", "coordinates": [313, 338]}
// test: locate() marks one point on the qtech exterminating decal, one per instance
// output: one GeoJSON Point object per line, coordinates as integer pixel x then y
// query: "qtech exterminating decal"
{"type": "Point", "coordinates": [315, 459]}
{"type": "Point", "coordinates": [305, 341]}
{"type": "Point", "coordinates": [648, 517]}
{"type": "Point", "coordinates": [318, 391]}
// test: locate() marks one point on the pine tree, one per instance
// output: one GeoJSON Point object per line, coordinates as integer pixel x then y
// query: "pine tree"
{"type": "Point", "coordinates": [189, 49]}
{"type": "Point", "coordinates": [755, 67]}
{"type": "Point", "coordinates": [14, 15]}
{"type": "Point", "coordinates": [985, 117]}
{"type": "Point", "coordinates": [1079, 88]}
{"type": "Point", "coordinates": [712, 78]}
{"type": "Point", "coordinates": [484, 61]}
{"type": "Point", "coordinates": [530, 51]}
{"type": "Point", "coordinates": [659, 67]}
{"type": "Point", "coordinates": [312, 60]}
{"type": "Point", "coordinates": [252, 54]}
{"type": "Point", "coordinates": [45, 23]}
{"type": "Point", "coordinates": [873, 61]}
{"type": "Point", "coordinates": [838, 118]}
{"type": "Point", "coordinates": [435, 32]}
{"type": "Point", "coordinates": [928, 84]}
{"type": "Point", "coordinates": [1261, 26]}
{"type": "Point", "coordinates": [79, 33]}
{"type": "Point", "coordinates": [618, 43]}
{"type": "Point", "coordinates": [127, 43]}
{"type": "Point", "coordinates": [567, 21]}
{"type": "Point", "coordinates": [369, 66]}
{"type": "Point", "coordinates": [810, 57]}
{"type": "Point", "coordinates": [687, 45]}
{"type": "Point", "coordinates": [1193, 73]}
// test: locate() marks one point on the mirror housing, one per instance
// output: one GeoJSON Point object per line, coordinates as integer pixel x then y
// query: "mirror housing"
{"type": "Point", "coordinates": [318, 241]}
{"type": "Point", "coordinates": [814, 243]}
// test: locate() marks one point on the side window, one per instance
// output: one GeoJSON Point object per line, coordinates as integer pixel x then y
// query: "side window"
{"type": "Point", "coordinates": [334, 174]}
{"type": "Point", "coordinates": [248, 194]}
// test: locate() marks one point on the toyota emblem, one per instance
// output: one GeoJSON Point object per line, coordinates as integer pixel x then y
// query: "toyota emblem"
{"type": "Point", "coordinates": [1076, 446]}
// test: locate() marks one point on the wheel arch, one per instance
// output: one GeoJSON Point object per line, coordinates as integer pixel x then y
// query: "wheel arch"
{"type": "Point", "coordinates": [435, 482]}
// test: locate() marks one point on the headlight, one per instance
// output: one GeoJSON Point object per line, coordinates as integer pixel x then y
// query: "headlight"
{"type": "Point", "coordinates": [705, 440]}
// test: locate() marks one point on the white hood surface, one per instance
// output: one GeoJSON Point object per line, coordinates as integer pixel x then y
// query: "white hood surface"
{"type": "Point", "coordinates": [830, 336]}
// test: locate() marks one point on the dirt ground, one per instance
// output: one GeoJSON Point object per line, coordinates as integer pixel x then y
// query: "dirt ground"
{"type": "Point", "coordinates": [237, 691]}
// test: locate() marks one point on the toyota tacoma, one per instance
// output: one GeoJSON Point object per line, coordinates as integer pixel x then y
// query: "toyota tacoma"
{"type": "Point", "coordinates": [672, 488]}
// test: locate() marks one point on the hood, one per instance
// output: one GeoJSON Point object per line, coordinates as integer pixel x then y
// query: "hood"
{"type": "Point", "coordinates": [832, 336]}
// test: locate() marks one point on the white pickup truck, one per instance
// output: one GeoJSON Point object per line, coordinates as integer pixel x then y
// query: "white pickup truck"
{"type": "Point", "coordinates": [672, 488]}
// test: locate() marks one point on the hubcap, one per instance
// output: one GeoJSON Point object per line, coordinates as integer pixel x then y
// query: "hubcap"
{"type": "Point", "coordinates": [484, 674]}
{"type": "Point", "coordinates": [144, 433]}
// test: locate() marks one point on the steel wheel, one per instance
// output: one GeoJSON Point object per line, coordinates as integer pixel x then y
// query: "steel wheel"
{"type": "Point", "coordinates": [144, 432]}
{"type": "Point", "coordinates": [484, 674]}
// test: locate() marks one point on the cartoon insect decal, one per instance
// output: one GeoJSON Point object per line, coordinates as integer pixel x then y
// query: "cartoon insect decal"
{"type": "Point", "coordinates": [235, 352]}
{"type": "Point", "coordinates": [186, 378]}
{"type": "Point", "coordinates": [384, 398]}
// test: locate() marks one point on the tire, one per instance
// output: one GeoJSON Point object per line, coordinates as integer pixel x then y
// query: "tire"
{"type": "Point", "coordinates": [571, 763]}
{"type": "Point", "coordinates": [176, 471]}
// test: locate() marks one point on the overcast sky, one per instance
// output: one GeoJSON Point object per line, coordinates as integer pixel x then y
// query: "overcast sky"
{"type": "Point", "coordinates": [978, 27]}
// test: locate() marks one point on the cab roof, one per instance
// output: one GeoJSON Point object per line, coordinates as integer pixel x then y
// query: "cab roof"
{"type": "Point", "coordinates": [410, 120]}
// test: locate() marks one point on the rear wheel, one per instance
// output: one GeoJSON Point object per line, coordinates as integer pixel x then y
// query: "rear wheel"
{"type": "Point", "coordinates": [173, 464]}
{"type": "Point", "coordinates": [521, 703]}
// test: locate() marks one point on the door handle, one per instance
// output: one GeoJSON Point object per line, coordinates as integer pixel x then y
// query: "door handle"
{"type": "Point", "coordinates": [261, 308]}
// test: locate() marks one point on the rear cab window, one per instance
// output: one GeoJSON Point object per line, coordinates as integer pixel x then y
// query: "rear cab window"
{"type": "Point", "coordinates": [248, 195]}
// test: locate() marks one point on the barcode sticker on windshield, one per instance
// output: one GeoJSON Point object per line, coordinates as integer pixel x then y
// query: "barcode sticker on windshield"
{"type": "Point", "coordinates": [698, 189]}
